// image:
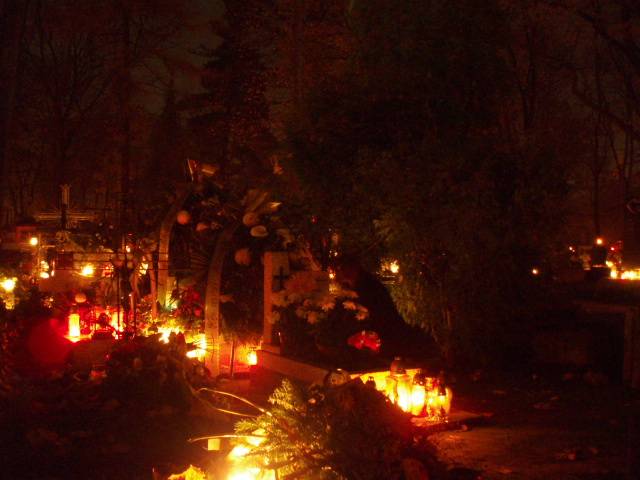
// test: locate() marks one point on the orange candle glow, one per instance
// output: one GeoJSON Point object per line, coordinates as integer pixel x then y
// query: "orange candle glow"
{"type": "Point", "coordinates": [252, 358]}
{"type": "Point", "coordinates": [74, 325]}
{"type": "Point", "coordinates": [115, 320]}
{"type": "Point", "coordinates": [418, 396]}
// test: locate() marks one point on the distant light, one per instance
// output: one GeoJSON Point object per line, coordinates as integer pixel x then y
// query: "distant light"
{"type": "Point", "coordinates": [394, 267]}
{"type": "Point", "coordinates": [44, 275]}
{"type": "Point", "coordinates": [252, 357]}
{"type": "Point", "coordinates": [613, 249]}
{"type": "Point", "coordinates": [201, 351]}
{"type": "Point", "coordinates": [631, 275]}
{"type": "Point", "coordinates": [8, 284]}
{"type": "Point", "coordinates": [74, 325]}
{"type": "Point", "coordinates": [572, 249]}
{"type": "Point", "coordinates": [599, 241]}
{"type": "Point", "coordinates": [33, 241]}
{"type": "Point", "coordinates": [128, 249]}
{"type": "Point", "coordinates": [535, 271]}
{"type": "Point", "coordinates": [87, 270]}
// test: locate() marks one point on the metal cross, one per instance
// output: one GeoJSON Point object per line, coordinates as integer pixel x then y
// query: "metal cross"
{"type": "Point", "coordinates": [280, 277]}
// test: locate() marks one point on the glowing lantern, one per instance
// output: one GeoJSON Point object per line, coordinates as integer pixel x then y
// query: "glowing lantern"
{"type": "Point", "coordinates": [535, 271]}
{"type": "Point", "coordinates": [87, 270]}
{"type": "Point", "coordinates": [599, 241]}
{"type": "Point", "coordinates": [252, 357]}
{"type": "Point", "coordinates": [446, 401]}
{"type": "Point", "coordinates": [183, 217]}
{"type": "Point", "coordinates": [391, 387]}
{"type": "Point", "coordinates": [44, 275]}
{"type": "Point", "coordinates": [394, 267]}
{"type": "Point", "coordinates": [243, 470]}
{"type": "Point", "coordinates": [80, 297]}
{"type": "Point", "coordinates": [199, 352]}
{"type": "Point", "coordinates": [418, 393]}
{"type": "Point", "coordinates": [8, 284]}
{"type": "Point", "coordinates": [74, 325]}
{"type": "Point", "coordinates": [398, 385]}
{"type": "Point", "coordinates": [33, 241]}
{"type": "Point", "coordinates": [403, 391]}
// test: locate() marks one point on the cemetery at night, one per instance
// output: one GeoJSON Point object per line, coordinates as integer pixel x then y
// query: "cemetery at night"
{"type": "Point", "coordinates": [319, 239]}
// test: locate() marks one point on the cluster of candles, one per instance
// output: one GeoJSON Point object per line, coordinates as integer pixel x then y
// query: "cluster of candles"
{"type": "Point", "coordinates": [78, 325]}
{"type": "Point", "coordinates": [413, 391]}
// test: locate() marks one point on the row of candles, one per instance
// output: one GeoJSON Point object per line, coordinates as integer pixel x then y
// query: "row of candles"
{"type": "Point", "coordinates": [413, 391]}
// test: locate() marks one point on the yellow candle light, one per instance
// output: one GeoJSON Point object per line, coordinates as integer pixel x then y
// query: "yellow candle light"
{"type": "Point", "coordinates": [252, 357]}
{"type": "Point", "coordinates": [87, 270]}
{"type": "Point", "coordinates": [74, 325]}
{"type": "Point", "coordinates": [403, 391]}
{"type": "Point", "coordinates": [8, 284]}
{"type": "Point", "coordinates": [418, 397]}
{"type": "Point", "coordinates": [391, 386]}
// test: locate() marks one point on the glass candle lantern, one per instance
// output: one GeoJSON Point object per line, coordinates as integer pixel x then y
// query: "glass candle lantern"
{"type": "Point", "coordinates": [391, 388]}
{"type": "Point", "coordinates": [418, 393]}
{"type": "Point", "coordinates": [403, 390]}
{"type": "Point", "coordinates": [74, 325]}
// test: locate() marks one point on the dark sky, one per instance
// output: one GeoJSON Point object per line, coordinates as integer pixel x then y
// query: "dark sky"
{"type": "Point", "coordinates": [186, 66]}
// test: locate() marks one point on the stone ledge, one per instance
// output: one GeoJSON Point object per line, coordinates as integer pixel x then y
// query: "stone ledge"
{"type": "Point", "coordinates": [291, 368]}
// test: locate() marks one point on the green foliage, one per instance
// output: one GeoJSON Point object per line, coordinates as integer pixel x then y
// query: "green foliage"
{"type": "Point", "coordinates": [424, 168]}
{"type": "Point", "coordinates": [347, 431]}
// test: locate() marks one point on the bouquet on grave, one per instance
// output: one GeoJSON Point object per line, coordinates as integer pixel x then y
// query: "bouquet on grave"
{"type": "Point", "coordinates": [310, 312]}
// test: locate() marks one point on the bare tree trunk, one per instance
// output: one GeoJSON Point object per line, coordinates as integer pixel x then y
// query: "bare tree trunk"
{"type": "Point", "coordinates": [124, 94]}
{"type": "Point", "coordinates": [212, 297]}
{"type": "Point", "coordinates": [13, 14]}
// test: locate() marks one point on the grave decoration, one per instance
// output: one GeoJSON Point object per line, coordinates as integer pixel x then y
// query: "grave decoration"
{"type": "Point", "coordinates": [342, 429]}
{"type": "Point", "coordinates": [85, 321]}
{"type": "Point", "coordinates": [7, 294]}
{"type": "Point", "coordinates": [413, 390]}
{"type": "Point", "coordinates": [313, 315]}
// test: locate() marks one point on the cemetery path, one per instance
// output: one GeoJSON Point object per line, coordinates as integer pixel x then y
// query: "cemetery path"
{"type": "Point", "coordinates": [534, 430]}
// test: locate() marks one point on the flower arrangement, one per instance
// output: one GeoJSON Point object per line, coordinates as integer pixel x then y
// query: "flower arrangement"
{"type": "Point", "coordinates": [311, 312]}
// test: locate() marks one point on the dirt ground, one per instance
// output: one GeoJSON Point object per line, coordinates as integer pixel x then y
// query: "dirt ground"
{"type": "Point", "coordinates": [560, 427]}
